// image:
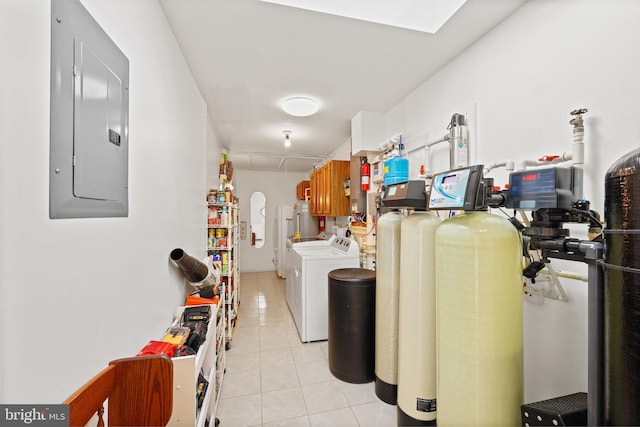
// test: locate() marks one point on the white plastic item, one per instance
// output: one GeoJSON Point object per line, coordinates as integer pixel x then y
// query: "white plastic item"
{"type": "Point", "coordinates": [224, 217]}
{"type": "Point", "coordinates": [387, 285]}
{"type": "Point", "coordinates": [417, 319]}
{"type": "Point", "coordinates": [210, 359]}
{"type": "Point", "coordinates": [479, 316]}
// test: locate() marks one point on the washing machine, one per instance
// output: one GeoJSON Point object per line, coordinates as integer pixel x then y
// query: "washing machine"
{"type": "Point", "coordinates": [308, 299]}
{"type": "Point", "coordinates": [321, 239]}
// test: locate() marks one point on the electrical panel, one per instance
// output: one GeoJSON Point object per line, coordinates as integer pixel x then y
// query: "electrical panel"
{"type": "Point", "coordinates": [377, 171]}
{"type": "Point", "coordinates": [89, 141]}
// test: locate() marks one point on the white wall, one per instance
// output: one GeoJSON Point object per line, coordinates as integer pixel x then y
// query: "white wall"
{"type": "Point", "coordinates": [343, 152]}
{"type": "Point", "coordinates": [546, 59]}
{"type": "Point", "coordinates": [214, 151]}
{"type": "Point", "coordinates": [77, 293]}
{"type": "Point", "coordinates": [279, 188]}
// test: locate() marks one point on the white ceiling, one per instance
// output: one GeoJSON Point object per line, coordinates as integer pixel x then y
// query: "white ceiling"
{"type": "Point", "coordinates": [248, 56]}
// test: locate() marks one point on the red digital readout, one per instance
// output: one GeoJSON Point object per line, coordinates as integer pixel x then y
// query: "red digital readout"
{"type": "Point", "coordinates": [530, 177]}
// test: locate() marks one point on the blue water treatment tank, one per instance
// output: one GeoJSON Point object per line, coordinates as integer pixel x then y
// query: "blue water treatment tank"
{"type": "Point", "coordinates": [396, 169]}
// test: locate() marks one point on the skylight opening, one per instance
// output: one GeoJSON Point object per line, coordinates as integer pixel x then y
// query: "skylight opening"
{"type": "Point", "coordinates": [420, 15]}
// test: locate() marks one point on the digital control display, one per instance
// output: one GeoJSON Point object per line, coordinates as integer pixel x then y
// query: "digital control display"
{"type": "Point", "coordinates": [540, 182]}
{"type": "Point", "coordinates": [552, 187]}
{"type": "Point", "coordinates": [448, 190]}
{"type": "Point", "coordinates": [406, 195]}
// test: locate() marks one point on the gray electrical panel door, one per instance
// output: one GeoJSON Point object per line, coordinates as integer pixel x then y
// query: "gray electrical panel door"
{"type": "Point", "coordinates": [89, 143]}
{"type": "Point", "coordinates": [98, 164]}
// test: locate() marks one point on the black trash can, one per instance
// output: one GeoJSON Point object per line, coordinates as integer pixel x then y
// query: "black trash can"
{"type": "Point", "coordinates": [352, 332]}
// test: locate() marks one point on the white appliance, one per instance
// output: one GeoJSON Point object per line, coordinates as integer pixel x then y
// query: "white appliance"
{"type": "Point", "coordinates": [282, 229]}
{"type": "Point", "coordinates": [321, 239]}
{"type": "Point", "coordinates": [307, 287]}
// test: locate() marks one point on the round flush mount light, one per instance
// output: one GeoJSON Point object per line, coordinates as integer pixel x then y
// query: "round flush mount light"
{"type": "Point", "coordinates": [300, 106]}
{"type": "Point", "coordinates": [287, 138]}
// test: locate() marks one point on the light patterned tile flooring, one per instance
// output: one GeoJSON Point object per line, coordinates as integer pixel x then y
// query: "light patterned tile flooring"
{"type": "Point", "coordinates": [273, 379]}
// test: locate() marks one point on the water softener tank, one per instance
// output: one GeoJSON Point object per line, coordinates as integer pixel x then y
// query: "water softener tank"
{"type": "Point", "coordinates": [387, 285]}
{"type": "Point", "coordinates": [417, 321]}
{"type": "Point", "coordinates": [479, 319]}
{"type": "Point", "coordinates": [622, 291]}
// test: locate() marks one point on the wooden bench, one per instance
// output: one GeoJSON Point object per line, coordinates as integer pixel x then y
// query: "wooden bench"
{"type": "Point", "coordinates": [138, 391]}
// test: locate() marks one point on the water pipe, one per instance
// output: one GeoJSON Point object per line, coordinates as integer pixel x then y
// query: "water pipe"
{"type": "Point", "coordinates": [567, 274]}
{"type": "Point", "coordinates": [545, 160]}
{"type": "Point", "coordinates": [427, 147]}
{"type": "Point", "coordinates": [577, 154]}
{"type": "Point", "coordinates": [578, 137]}
{"type": "Point", "coordinates": [508, 164]}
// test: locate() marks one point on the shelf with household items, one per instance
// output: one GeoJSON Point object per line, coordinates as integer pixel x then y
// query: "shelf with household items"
{"type": "Point", "coordinates": [231, 300]}
{"type": "Point", "coordinates": [222, 246]}
{"type": "Point", "coordinates": [198, 368]}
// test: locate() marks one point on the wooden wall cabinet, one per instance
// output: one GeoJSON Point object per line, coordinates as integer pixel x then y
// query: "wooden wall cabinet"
{"type": "Point", "coordinates": [301, 189]}
{"type": "Point", "coordinates": [327, 189]}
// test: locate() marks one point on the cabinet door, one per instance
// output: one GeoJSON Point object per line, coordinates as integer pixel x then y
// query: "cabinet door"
{"type": "Point", "coordinates": [300, 189]}
{"type": "Point", "coordinates": [337, 200]}
{"type": "Point", "coordinates": [325, 179]}
{"type": "Point", "coordinates": [327, 189]}
{"type": "Point", "coordinates": [344, 204]}
{"type": "Point", "coordinates": [320, 189]}
{"type": "Point", "coordinates": [313, 202]}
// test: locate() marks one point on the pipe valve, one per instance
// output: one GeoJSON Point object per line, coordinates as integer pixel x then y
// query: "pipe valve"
{"type": "Point", "coordinates": [548, 158]}
{"type": "Point", "coordinates": [578, 113]}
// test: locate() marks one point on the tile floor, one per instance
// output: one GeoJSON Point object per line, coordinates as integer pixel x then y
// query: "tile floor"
{"type": "Point", "coordinates": [273, 379]}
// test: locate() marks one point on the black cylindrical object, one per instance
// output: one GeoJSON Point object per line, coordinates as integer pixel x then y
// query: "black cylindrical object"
{"type": "Point", "coordinates": [622, 291]}
{"type": "Point", "coordinates": [352, 307]}
{"type": "Point", "coordinates": [193, 270]}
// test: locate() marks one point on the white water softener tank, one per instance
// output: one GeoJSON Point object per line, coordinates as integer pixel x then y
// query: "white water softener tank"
{"type": "Point", "coordinates": [387, 285]}
{"type": "Point", "coordinates": [479, 317]}
{"type": "Point", "coordinates": [417, 321]}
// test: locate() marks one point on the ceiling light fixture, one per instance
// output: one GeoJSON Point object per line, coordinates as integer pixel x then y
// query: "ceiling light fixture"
{"type": "Point", "coordinates": [287, 138]}
{"type": "Point", "coordinates": [300, 106]}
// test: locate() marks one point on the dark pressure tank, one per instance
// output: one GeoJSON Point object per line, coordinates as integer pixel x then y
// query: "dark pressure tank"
{"type": "Point", "coordinates": [622, 291]}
